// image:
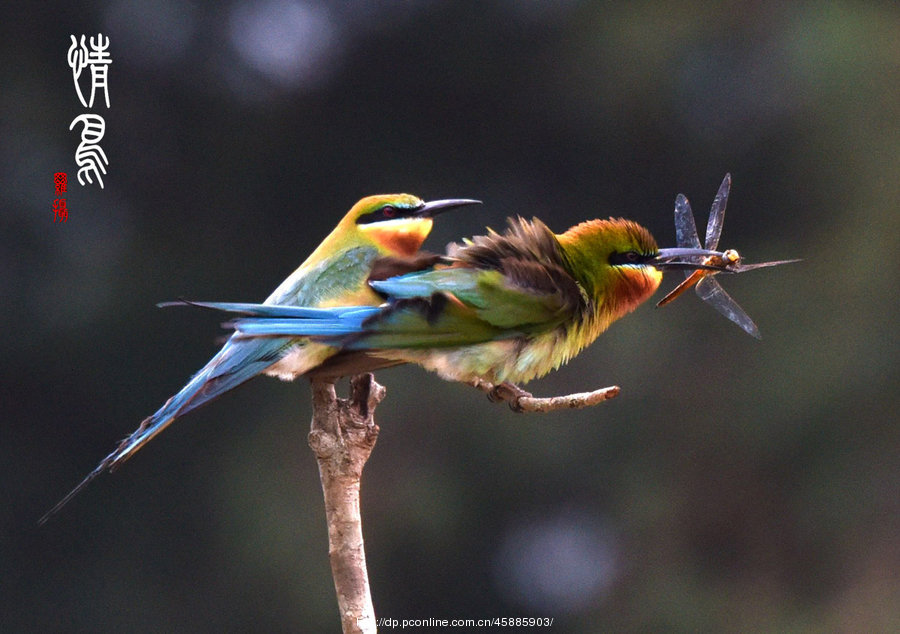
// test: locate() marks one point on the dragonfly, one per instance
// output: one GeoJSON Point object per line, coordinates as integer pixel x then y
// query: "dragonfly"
{"type": "Point", "coordinates": [729, 261]}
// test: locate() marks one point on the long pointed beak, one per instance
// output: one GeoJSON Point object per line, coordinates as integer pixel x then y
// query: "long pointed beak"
{"type": "Point", "coordinates": [681, 252]}
{"type": "Point", "coordinates": [435, 207]}
{"type": "Point", "coordinates": [689, 258]}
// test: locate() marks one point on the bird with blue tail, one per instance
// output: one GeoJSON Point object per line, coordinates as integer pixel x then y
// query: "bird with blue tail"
{"type": "Point", "coordinates": [378, 238]}
{"type": "Point", "coordinates": [499, 309]}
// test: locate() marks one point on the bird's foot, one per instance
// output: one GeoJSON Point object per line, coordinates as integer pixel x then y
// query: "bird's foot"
{"type": "Point", "coordinates": [505, 392]}
{"type": "Point", "coordinates": [521, 401]}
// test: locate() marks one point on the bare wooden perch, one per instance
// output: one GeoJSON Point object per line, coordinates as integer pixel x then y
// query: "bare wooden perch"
{"type": "Point", "coordinates": [342, 435]}
{"type": "Point", "coordinates": [521, 401]}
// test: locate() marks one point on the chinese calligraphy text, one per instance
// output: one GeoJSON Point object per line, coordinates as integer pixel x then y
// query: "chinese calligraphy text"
{"type": "Point", "coordinates": [90, 157]}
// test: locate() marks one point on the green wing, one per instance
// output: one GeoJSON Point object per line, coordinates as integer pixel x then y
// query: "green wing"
{"type": "Point", "coordinates": [327, 281]}
{"type": "Point", "coordinates": [459, 306]}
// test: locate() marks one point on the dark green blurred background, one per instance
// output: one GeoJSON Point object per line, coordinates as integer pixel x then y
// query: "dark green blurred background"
{"type": "Point", "coordinates": [735, 484]}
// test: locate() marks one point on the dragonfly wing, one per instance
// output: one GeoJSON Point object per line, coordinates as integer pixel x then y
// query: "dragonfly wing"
{"type": "Point", "coordinates": [685, 227]}
{"type": "Point", "coordinates": [717, 214]}
{"type": "Point", "coordinates": [712, 292]}
{"type": "Point", "coordinates": [740, 268]}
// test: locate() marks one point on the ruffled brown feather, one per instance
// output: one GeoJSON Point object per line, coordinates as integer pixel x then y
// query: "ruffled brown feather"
{"type": "Point", "coordinates": [529, 256]}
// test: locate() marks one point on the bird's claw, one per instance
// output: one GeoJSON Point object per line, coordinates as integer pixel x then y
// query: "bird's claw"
{"type": "Point", "coordinates": [509, 393]}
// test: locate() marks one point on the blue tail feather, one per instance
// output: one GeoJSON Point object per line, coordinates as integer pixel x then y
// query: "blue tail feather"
{"type": "Point", "coordinates": [263, 327]}
{"type": "Point", "coordinates": [238, 361]}
{"type": "Point", "coordinates": [262, 332]}
{"type": "Point", "coordinates": [266, 310]}
{"type": "Point", "coordinates": [320, 322]}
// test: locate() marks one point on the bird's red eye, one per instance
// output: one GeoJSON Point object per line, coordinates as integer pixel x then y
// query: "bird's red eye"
{"type": "Point", "coordinates": [388, 211]}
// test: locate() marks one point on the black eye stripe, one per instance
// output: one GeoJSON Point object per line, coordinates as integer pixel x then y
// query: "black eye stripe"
{"type": "Point", "coordinates": [386, 212]}
{"type": "Point", "coordinates": [628, 257]}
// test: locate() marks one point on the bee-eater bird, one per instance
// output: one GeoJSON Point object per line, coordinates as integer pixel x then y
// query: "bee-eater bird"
{"type": "Point", "coordinates": [379, 236]}
{"type": "Point", "coordinates": [501, 308]}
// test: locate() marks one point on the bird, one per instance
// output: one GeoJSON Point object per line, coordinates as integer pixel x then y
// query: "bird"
{"type": "Point", "coordinates": [502, 308]}
{"type": "Point", "coordinates": [379, 237]}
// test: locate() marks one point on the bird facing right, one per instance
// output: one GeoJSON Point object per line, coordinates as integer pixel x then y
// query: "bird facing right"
{"type": "Point", "coordinates": [498, 308]}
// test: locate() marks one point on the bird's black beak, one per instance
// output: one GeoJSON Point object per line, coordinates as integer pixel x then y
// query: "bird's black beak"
{"type": "Point", "coordinates": [435, 207]}
{"type": "Point", "coordinates": [691, 259]}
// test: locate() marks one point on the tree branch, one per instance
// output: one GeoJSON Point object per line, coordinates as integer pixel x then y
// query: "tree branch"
{"type": "Point", "coordinates": [342, 435]}
{"type": "Point", "coordinates": [521, 401]}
